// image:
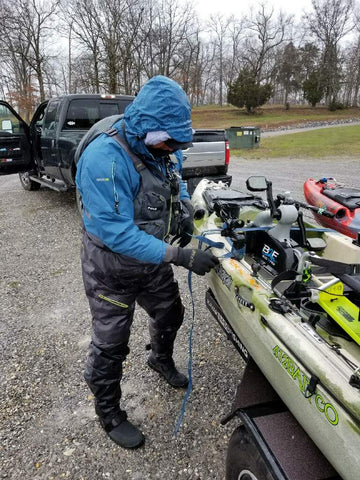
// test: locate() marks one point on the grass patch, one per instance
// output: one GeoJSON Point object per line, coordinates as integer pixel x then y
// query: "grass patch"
{"type": "Point", "coordinates": [326, 142]}
{"type": "Point", "coordinates": [212, 116]}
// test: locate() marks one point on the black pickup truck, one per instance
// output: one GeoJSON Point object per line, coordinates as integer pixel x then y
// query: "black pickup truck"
{"type": "Point", "coordinates": [43, 152]}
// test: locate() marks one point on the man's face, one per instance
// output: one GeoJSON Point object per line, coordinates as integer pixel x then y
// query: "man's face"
{"type": "Point", "coordinates": [162, 146]}
{"type": "Point", "coordinates": [160, 150]}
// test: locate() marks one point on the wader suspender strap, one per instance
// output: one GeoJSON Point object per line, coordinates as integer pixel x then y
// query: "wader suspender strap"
{"type": "Point", "coordinates": [138, 164]}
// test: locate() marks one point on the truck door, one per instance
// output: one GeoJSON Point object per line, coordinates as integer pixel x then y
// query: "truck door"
{"type": "Point", "coordinates": [15, 148]}
{"type": "Point", "coordinates": [48, 141]}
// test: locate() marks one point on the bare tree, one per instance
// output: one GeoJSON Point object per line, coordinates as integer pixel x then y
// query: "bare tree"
{"type": "Point", "coordinates": [355, 64]}
{"type": "Point", "coordinates": [198, 68]}
{"type": "Point", "coordinates": [115, 45]}
{"type": "Point", "coordinates": [82, 23]}
{"type": "Point", "coordinates": [169, 29]}
{"type": "Point", "coordinates": [329, 22]}
{"type": "Point", "coordinates": [267, 33]}
{"type": "Point", "coordinates": [16, 78]}
{"type": "Point", "coordinates": [218, 28]}
{"type": "Point", "coordinates": [33, 19]}
{"type": "Point", "coordinates": [236, 35]}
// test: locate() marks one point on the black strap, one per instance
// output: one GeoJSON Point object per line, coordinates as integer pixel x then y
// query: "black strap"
{"type": "Point", "coordinates": [286, 275]}
{"type": "Point", "coordinates": [351, 281]}
{"type": "Point", "coordinates": [138, 164]}
{"type": "Point", "coordinates": [336, 268]}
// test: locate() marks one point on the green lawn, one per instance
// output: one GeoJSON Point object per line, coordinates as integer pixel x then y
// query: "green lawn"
{"type": "Point", "coordinates": [212, 116]}
{"type": "Point", "coordinates": [327, 142]}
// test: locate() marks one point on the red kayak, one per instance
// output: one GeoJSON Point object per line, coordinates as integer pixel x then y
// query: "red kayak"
{"type": "Point", "coordinates": [343, 202]}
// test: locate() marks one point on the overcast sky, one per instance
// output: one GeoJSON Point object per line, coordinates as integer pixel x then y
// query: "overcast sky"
{"type": "Point", "coordinates": [239, 7]}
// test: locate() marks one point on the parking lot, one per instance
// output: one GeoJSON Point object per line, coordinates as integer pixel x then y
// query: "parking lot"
{"type": "Point", "coordinates": [48, 427]}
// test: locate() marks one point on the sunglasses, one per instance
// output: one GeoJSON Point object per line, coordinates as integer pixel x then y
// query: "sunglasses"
{"type": "Point", "coordinates": [174, 145]}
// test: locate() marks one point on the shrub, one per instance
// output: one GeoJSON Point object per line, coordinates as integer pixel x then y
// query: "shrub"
{"type": "Point", "coordinates": [247, 92]}
{"type": "Point", "coordinates": [334, 105]}
{"type": "Point", "coordinates": [313, 88]}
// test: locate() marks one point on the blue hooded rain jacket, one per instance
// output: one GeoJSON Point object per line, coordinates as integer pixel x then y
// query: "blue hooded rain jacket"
{"type": "Point", "coordinates": [106, 174]}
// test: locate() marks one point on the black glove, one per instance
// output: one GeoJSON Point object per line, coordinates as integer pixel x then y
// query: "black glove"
{"type": "Point", "coordinates": [197, 261]}
{"type": "Point", "coordinates": [186, 224]}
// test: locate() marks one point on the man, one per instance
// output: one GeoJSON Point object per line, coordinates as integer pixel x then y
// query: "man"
{"type": "Point", "coordinates": [132, 201]}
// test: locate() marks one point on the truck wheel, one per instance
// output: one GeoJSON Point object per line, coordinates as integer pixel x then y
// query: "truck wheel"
{"type": "Point", "coordinates": [243, 459]}
{"type": "Point", "coordinates": [26, 183]}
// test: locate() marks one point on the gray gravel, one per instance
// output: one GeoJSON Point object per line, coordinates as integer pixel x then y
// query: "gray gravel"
{"type": "Point", "coordinates": [48, 427]}
{"type": "Point", "coordinates": [313, 125]}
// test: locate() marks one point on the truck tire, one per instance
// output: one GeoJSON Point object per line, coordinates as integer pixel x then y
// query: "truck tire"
{"type": "Point", "coordinates": [243, 459]}
{"type": "Point", "coordinates": [26, 183]}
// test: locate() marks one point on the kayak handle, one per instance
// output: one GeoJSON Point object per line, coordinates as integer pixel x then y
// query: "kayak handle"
{"type": "Point", "coordinates": [318, 210]}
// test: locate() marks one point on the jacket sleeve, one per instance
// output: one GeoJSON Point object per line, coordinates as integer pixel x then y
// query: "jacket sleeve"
{"type": "Point", "coordinates": [108, 184]}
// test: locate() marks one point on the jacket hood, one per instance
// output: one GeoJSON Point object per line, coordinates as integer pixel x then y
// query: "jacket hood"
{"type": "Point", "coordinates": [161, 104]}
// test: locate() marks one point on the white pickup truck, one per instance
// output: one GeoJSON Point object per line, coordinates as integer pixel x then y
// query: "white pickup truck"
{"type": "Point", "coordinates": [208, 157]}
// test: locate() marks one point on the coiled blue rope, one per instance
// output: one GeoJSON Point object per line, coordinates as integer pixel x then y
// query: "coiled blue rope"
{"type": "Point", "coordinates": [202, 239]}
{"type": "Point", "coordinates": [188, 391]}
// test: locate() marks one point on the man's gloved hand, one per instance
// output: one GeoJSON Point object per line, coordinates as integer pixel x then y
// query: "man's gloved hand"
{"type": "Point", "coordinates": [186, 228]}
{"type": "Point", "coordinates": [197, 261]}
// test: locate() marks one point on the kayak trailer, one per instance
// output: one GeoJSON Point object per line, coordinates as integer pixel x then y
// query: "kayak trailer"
{"type": "Point", "coordinates": [269, 444]}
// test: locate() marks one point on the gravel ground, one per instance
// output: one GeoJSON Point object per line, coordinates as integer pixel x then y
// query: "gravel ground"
{"type": "Point", "coordinates": [48, 427]}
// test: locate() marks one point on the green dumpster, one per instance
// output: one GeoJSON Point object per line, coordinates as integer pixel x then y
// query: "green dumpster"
{"type": "Point", "coordinates": [243, 137]}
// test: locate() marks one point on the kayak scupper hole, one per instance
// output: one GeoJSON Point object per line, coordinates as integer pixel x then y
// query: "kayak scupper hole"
{"type": "Point", "coordinates": [341, 213]}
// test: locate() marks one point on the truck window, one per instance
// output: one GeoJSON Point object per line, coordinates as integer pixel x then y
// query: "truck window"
{"type": "Point", "coordinates": [83, 113]}
{"type": "Point", "coordinates": [51, 118]}
{"type": "Point", "coordinates": [108, 109]}
{"type": "Point", "coordinates": [209, 136]}
{"type": "Point", "coordinates": [8, 122]}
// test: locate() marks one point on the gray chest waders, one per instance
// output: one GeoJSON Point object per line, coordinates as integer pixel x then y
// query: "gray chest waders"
{"type": "Point", "coordinates": [113, 283]}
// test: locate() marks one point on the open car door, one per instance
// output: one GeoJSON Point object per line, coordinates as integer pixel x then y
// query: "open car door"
{"type": "Point", "coordinates": [15, 148]}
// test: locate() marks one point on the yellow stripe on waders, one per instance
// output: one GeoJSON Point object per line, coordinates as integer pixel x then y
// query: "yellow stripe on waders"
{"type": "Point", "coordinates": [114, 302]}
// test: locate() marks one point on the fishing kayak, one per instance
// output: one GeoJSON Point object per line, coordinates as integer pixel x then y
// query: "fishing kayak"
{"type": "Point", "coordinates": [344, 202]}
{"type": "Point", "coordinates": [291, 294]}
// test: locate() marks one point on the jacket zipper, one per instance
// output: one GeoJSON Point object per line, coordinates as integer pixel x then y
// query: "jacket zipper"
{"type": "Point", "coordinates": [116, 197]}
{"type": "Point", "coordinates": [114, 302]}
{"type": "Point", "coordinates": [170, 217]}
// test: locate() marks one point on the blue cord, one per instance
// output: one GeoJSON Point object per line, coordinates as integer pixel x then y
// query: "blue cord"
{"type": "Point", "coordinates": [188, 391]}
{"type": "Point", "coordinates": [202, 239]}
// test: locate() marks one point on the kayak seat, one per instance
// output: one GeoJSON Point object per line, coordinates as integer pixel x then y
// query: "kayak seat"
{"type": "Point", "coordinates": [231, 200]}
{"type": "Point", "coordinates": [348, 197]}
{"type": "Point", "coordinates": [316, 244]}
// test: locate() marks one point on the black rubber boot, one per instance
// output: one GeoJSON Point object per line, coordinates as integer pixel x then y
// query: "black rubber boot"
{"type": "Point", "coordinates": [103, 374]}
{"type": "Point", "coordinates": [163, 332]}
{"type": "Point", "coordinates": [166, 367]}
{"type": "Point", "coordinates": [120, 430]}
